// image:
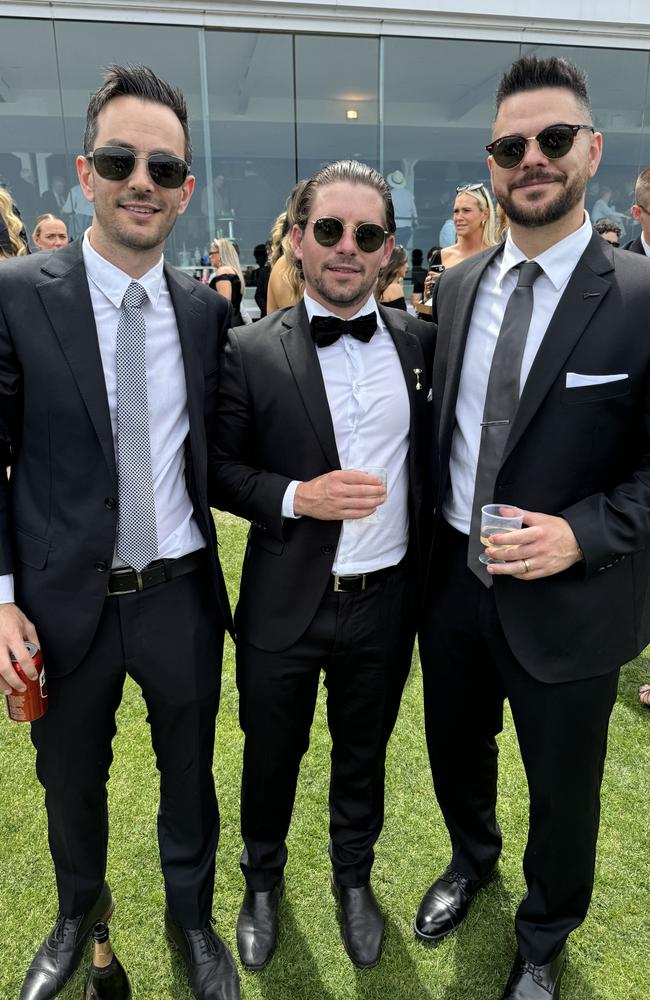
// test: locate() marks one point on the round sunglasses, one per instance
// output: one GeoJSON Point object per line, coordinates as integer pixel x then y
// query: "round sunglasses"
{"type": "Point", "coordinates": [554, 141]}
{"type": "Point", "coordinates": [115, 163]}
{"type": "Point", "coordinates": [368, 236]}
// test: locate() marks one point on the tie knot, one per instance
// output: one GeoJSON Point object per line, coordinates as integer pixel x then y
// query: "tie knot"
{"type": "Point", "coordinates": [134, 296]}
{"type": "Point", "coordinates": [529, 272]}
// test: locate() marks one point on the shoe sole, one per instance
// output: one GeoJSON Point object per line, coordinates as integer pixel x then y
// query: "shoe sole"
{"type": "Point", "coordinates": [435, 938]}
{"type": "Point", "coordinates": [357, 965]}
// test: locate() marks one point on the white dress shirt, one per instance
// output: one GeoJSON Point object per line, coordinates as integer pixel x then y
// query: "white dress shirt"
{"type": "Point", "coordinates": [178, 532]}
{"type": "Point", "coordinates": [495, 288]}
{"type": "Point", "coordinates": [369, 405]}
{"type": "Point", "coordinates": [646, 245]}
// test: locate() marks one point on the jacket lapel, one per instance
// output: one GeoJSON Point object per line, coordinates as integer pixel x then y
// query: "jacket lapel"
{"type": "Point", "coordinates": [585, 292]}
{"type": "Point", "coordinates": [66, 299]}
{"type": "Point", "coordinates": [409, 352]}
{"type": "Point", "coordinates": [464, 306]}
{"type": "Point", "coordinates": [301, 355]}
{"type": "Point", "coordinates": [190, 320]}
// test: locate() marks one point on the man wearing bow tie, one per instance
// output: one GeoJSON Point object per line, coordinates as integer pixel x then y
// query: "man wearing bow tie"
{"type": "Point", "coordinates": [309, 398]}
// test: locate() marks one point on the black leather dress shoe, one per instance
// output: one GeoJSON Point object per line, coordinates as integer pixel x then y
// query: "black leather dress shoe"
{"type": "Point", "coordinates": [59, 955]}
{"type": "Point", "coordinates": [257, 927]}
{"type": "Point", "coordinates": [445, 904]}
{"type": "Point", "coordinates": [211, 970]}
{"type": "Point", "coordinates": [535, 982]}
{"type": "Point", "coordinates": [362, 924]}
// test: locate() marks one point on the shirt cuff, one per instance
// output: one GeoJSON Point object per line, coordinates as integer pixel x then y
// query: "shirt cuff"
{"type": "Point", "coordinates": [7, 589]}
{"type": "Point", "coordinates": [287, 500]}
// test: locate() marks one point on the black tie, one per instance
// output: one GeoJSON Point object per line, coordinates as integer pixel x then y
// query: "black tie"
{"type": "Point", "coordinates": [326, 330]}
{"type": "Point", "coordinates": [501, 402]}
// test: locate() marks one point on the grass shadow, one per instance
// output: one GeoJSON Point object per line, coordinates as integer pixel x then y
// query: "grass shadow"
{"type": "Point", "coordinates": [292, 973]}
{"type": "Point", "coordinates": [397, 976]}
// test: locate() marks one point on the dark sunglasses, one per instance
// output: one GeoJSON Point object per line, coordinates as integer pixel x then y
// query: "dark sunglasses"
{"type": "Point", "coordinates": [554, 141]}
{"type": "Point", "coordinates": [115, 163]}
{"type": "Point", "coordinates": [369, 237]}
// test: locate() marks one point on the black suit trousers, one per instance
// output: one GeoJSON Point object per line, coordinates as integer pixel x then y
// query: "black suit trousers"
{"type": "Point", "coordinates": [167, 639]}
{"type": "Point", "coordinates": [468, 671]}
{"type": "Point", "coordinates": [363, 642]}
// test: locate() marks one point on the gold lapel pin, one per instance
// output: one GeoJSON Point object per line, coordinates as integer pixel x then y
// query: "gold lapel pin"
{"type": "Point", "coordinates": [417, 372]}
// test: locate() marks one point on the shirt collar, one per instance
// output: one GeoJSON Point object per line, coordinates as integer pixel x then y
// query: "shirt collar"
{"type": "Point", "coordinates": [558, 262]}
{"type": "Point", "coordinates": [315, 308]}
{"type": "Point", "coordinates": [645, 245]}
{"type": "Point", "coordinates": [113, 282]}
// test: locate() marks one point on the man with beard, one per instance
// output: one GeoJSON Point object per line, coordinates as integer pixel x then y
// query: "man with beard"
{"type": "Point", "coordinates": [108, 368]}
{"type": "Point", "coordinates": [322, 445]}
{"type": "Point", "coordinates": [541, 400]}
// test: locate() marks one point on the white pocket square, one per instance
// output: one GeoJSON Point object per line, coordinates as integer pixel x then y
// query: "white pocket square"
{"type": "Point", "coordinates": [574, 381]}
{"type": "Point", "coordinates": [429, 395]}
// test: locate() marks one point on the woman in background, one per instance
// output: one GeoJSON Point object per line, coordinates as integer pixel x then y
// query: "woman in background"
{"type": "Point", "coordinates": [228, 278]}
{"type": "Point", "coordinates": [13, 239]}
{"type": "Point", "coordinates": [50, 232]}
{"type": "Point", "coordinates": [286, 283]}
{"type": "Point", "coordinates": [475, 224]}
{"type": "Point", "coordinates": [389, 289]}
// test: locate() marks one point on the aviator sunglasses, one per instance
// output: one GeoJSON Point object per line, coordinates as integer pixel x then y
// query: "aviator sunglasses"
{"type": "Point", "coordinates": [369, 237]}
{"type": "Point", "coordinates": [115, 163]}
{"type": "Point", "coordinates": [554, 141]}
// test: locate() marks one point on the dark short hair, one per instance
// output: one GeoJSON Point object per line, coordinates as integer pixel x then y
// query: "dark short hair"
{"type": "Point", "coordinates": [135, 81]}
{"type": "Point", "coordinates": [531, 73]}
{"type": "Point", "coordinates": [351, 171]}
{"type": "Point", "coordinates": [607, 226]}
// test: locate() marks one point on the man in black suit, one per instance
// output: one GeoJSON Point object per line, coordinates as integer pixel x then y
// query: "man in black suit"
{"type": "Point", "coordinates": [108, 368]}
{"type": "Point", "coordinates": [309, 398]}
{"type": "Point", "coordinates": [53, 199]}
{"type": "Point", "coordinates": [541, 400]}
{"type": "Point", "coordinates": [641, 213]}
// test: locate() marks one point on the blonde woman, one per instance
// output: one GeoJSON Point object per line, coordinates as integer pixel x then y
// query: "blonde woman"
{"type": "Point", "coordinates": [286, 283]}
{"type": "Point", "coordinates": [475, 223]}
{"type": "Point", "coordinates": [13, 239]}
{"type": "Point", "coordinates": [228, 278]}
{"type": "Point", "coordinates": [50, 232]}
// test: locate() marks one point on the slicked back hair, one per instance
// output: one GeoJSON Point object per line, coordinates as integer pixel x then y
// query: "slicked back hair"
{"type": "Point", "coordinates": [531, 73]}
{"type": "Point", "coordinates": [349, 171]}
{"type": "Point", "coordinates": [642, 189]}
{"type": "Point", "coordinates": [136, 81]}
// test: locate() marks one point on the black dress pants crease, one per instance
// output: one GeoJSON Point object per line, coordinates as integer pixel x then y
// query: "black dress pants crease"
{"type": "Point", "coordinates": [363, 641]}
{"type": "Point", "coordinates": [167, 638]}
{"type": "Point", "coordinates": [468, 671]}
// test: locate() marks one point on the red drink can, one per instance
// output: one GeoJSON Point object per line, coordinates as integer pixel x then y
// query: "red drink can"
{"type": "Point", "coordinates": [26, 706]}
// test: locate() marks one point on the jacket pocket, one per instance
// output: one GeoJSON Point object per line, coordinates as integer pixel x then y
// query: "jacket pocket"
{"type": "Point", "coordinates": [596, 393]}
{"type": "Point", "coordinates": [30, 549]}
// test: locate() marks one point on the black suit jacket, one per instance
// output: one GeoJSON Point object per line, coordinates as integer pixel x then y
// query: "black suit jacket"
{"type": "Point", "coordinates": [636, 246]}
{"type": "Point", "coordinates": [274, 425]}
{"type": "Point", "coordinates": [582, 453]}
{"type": "Point", "coordinates": [57, 510]}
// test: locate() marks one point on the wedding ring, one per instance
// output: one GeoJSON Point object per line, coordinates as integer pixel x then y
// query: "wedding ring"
{"type": "Point", "coordinates": [526, 566]}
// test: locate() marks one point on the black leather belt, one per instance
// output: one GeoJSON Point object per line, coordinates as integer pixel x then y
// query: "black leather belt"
{"type": "Point", "coordinates": [129, 581]}
{"type": "Point", "coordinates": [357, 581]}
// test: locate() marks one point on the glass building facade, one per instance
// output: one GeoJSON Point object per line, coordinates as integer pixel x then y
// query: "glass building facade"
{"type": "Point", "coordinates": [269, 107]}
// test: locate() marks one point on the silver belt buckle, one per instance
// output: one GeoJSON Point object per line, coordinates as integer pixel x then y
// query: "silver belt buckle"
{"type": "Point", "coordinates": [337, 577]}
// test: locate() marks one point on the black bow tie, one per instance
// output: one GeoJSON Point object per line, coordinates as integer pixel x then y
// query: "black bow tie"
{"type": "Point", "coordinates": [326, 330]}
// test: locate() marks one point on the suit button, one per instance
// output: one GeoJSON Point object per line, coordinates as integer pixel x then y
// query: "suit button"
{"type": "Point", "coordinates": [101, 566]}
{"type": "Point", "coordinates": [327, 549]}
{"type": "Point", "coordinates": [110, 503]}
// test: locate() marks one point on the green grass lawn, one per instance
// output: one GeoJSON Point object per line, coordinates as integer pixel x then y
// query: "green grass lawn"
{"type": "Point", "coordinates": [609, 955]}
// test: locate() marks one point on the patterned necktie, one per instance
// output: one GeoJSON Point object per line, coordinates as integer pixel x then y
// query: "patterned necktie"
{"type": "Point", "coordinates": [501, 402]}
{"type": "Point", "coordinates": [326, 330]}
{"type": "Point", "coordinates": [137, 537]}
